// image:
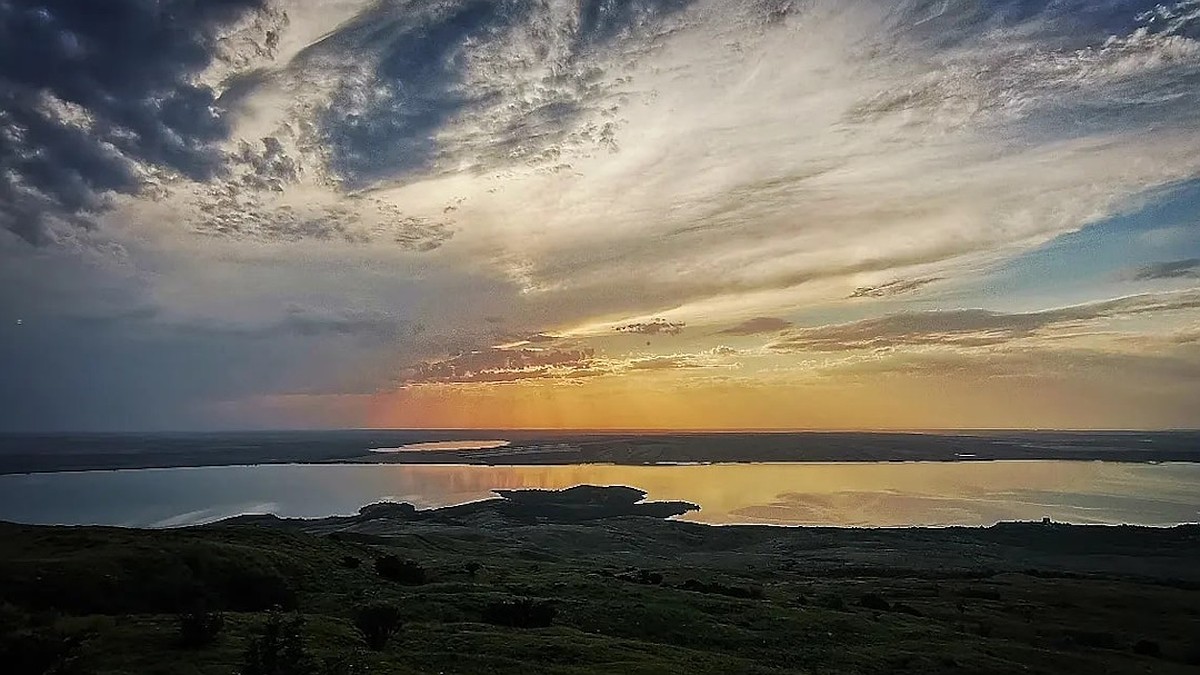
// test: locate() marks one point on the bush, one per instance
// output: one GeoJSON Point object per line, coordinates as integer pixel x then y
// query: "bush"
{"type": "Point", "coordinates": [642, 577]}
{"type": "Point", "coordinates": [715, 588]}
{"type": "Point", "coordinates": [350, 562]}
{"type": "Point", "coordinates": [377, 624]}
{"type": "Point", "coordinates": [401, 571]}
{"type": "Point", "coordinates": [345, 664]}
{"type": "Point", "coordinates": [199, 628]}
{"type": "Point", "coordinates": [255, 591]}
{"type": "Point", "coordinates": [1191, 655]}
{"type": "Point", "coordinates": [1094, 639]}
{"type": "Point", "coordinates": [278, 649]}
{"type": "Point", "coordinates": [833, 602]}
{"type": "Point", "coordinates": [40, 652]}
{"type": "Point", "coordinates": [520, 613]}
{"type": "Point", "coordinates": [1147, 648]}
{"type": "Point", "coordinates": [874, 601]}
{"type": "Point", "coordinates": [472, 568]}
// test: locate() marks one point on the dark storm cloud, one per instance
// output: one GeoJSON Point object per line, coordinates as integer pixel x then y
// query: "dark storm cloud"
{"type": "Point", "coordinates": [89, 90]}
{"type": "Point", "coordinates": [757, 325]}
{"type": "Point", "coordinates": [1174, 269]}
{"type": "Point", "coordinates": [392, 132]}
{"type": "Point", "coordinates": [388, 129]}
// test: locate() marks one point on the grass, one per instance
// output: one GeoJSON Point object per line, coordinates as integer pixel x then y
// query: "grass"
{"type": "Point", "coordinates": [629, 595]}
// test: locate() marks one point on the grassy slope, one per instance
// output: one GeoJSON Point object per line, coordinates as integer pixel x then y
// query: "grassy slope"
{"type": "Point", "coordinates": [999, 600]}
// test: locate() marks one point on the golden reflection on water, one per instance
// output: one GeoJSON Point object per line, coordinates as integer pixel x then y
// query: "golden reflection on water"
{"type": "Point", "coordinates": [863, 494]}
{"type": "Point", "coordinates": [444, 445]}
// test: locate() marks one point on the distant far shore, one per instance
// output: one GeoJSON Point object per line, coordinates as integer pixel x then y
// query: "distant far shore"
{"type": "Point", "coordinates": [39, 453]}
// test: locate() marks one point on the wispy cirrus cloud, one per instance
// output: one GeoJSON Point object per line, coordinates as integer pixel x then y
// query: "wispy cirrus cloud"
{"type": "Point", "coordinates": [757, 325]}
{"type": "Point", "coordinates": [898, 287]}
{"type": "Point", "coordinates": [1174, 269]}
{"type": "Point", "coordinates": [969, 328]}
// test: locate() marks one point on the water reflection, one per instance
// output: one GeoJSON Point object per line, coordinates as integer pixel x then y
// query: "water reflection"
{"type": "Point", "coordinates": [444, 445]}
{"type": "Point", "coordinates": [845, 494]}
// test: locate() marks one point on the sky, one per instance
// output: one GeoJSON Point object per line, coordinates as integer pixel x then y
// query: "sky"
{"type": "Point", "coordinates": [637, 214]}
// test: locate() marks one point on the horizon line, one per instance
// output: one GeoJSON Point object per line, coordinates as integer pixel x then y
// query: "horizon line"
{"type": "Point", "coordinates": [618, 430]}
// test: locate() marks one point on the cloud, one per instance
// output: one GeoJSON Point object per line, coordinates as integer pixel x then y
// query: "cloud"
{"type": "Point", "coordinates": [968, 328]}
{"type": "Point", "coordinates": [1168, 365]}
{"type": "Point", "coordinates": [503, 365]}
{"type": "Point", "coordinates": [527, 76]}
{"type": "Point", "coordinates": [94, 102]}
{"type": "Point", "coordinates": [757, 325]}
{"type": "Point", "coordinates": [586, 166]}
{"type": "Point", "coordinates": [1174, 269]}
{"type": "Point", "coordinates": [668, 362]}
{"type": "Point", "coordinates": [897, 287]}
{"type": "Point", "coordinates": [297, 321]}
{"type": "Point", "coordinates": [309, 322]}
{"type": "Point", "coordinates": [653, 327]}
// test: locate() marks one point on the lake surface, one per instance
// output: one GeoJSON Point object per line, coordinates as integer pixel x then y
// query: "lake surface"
{"type": "Point", "coordinates": [444, 445]}
{"type": "Point", "coordinates": [839, 494]}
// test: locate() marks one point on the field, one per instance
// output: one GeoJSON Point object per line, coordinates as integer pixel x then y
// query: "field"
{"type": "Point", "coordinates": [589, 583]}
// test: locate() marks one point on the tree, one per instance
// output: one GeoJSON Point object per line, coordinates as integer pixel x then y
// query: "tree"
{"type": "Point", "coordinates": [873, 601]}
{"type": "Point", "coordinates": [520, 613]}
{"type": "Point", "coordinates": [279, 649]}
{"type": "Point", "coordinates": [377, 624]}
{"type": "Point", "coordinates": [199, 628]}
{"type": "Point", "coordinates": [393, 568]}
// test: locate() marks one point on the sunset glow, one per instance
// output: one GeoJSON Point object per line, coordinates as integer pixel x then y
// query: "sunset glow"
{"type": "Point", "coordinates": [657, 214]}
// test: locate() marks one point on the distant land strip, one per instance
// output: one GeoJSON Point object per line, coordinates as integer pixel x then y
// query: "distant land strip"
{"type": "Point", "coordinates": [36, 453]}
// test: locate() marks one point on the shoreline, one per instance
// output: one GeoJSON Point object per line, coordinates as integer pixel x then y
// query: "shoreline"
{"type": "Point", "coordinates": [379, 460]}
{"type": "Point", "coordinates": [29, 454]}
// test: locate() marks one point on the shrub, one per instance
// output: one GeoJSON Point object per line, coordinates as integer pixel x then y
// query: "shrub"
{"type": "Point", "coordinates": [377, 624]}
{"type": "Point", "coordinates": [906, 609]}
{"type": "Point", "coordinates": [472, 568]}
{"type": "Point", "coordinates": [40, 651]}
{"type": "Point", "coordinates": [401, 571]}
{"type": "Point", "coordinates": [350, 562]}
{"type": "Point", "coordinates": [715, 588]}
{"type": "Point", "coordinates": [873, 601]}
{"type": "Point", "coordinates": [255, 590]}
{"type": "Point", "coordinates": [641, 577]}
{"type": "Point", "coordinates": [345, 664]}
{"type": "Point", "coordinates": [833, 602]}
{"type": "Point", "coordinates": [199, 628]}
{"type": "Point", "coordinates": [1094, 639]}
{"type": "Point", "coordinates": [278, 649]}
{"type": "Point", "coordinates": [1147, 648]}
{"type": "Point", "coordinates": [520, 613]}
{"type": "Point", "coordinates": [1191, 655]}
